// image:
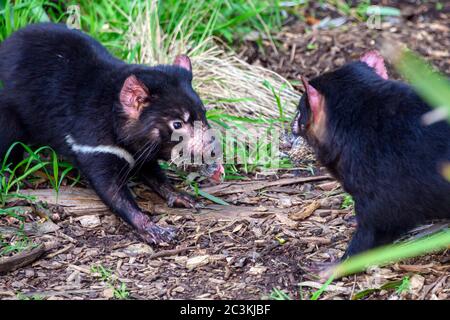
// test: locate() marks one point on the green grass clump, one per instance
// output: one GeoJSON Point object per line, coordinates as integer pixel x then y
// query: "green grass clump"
{"type": "Point", "coordinates": [277, 294]}
{"type": "Point", "coordinates": [347, 202]}
{"type": "Point", "coordinates": [18, 14]}
{"type": "Point", "coordinates": [18, 241]}
{"type": "Point", "coordinates": [120, 290]}
{"type": "Point", "coordinates": [20, 244]}
{"type": "Point", "coordinates": [45, 159]}
{"type": "Point", "coordinates": [230, 19]}
{"type": "Point", "coordinates": [33, 297]}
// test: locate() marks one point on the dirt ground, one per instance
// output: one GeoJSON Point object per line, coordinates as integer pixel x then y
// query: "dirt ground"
{"type": "Point", "coordinates": [421, 28]}
{"type": "Point", "coordinates": [275, 229]}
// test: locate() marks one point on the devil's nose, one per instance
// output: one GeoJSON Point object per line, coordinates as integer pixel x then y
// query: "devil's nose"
{"type": "Point", "coordinates": [212, 139]}
{"type": "Point", "coordinates": [219, 174]}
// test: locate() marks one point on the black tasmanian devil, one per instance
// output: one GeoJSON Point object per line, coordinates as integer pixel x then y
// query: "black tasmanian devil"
{"type": "Point", "coordinates": [63, 89]}
{"type": "Point", "coordinates": [367, 130]}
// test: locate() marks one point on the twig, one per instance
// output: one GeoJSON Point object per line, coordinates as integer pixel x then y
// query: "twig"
{"type": "Point", "coordinates": [25, 257]}
{"type": "Point", "coordinates": [316, 240]}
{"type": "Point", "coordinates": [168, 253]}
{"type": "Point", "coordinates": [66, 248]}
{"type": "Point", "coordinates": [21, 259]}
{"type": "Point", "coordinates": [245, 187]}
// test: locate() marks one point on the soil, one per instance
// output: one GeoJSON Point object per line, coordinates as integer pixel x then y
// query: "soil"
{"type": "Point", "coordinates": [277, 229]}
{"type": "Point", "coordinates": [308, 50]}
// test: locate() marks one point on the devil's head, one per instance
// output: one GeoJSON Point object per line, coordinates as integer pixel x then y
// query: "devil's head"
{"type": "Point", "coordinates": [159, 110]}
{"type": "Point", "coordinates": [322, 95]}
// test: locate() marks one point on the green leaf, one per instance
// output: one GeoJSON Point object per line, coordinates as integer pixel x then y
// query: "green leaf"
{"type": "Point", "coordinates": [383, 11]}
{"type": "Point", "coordinates": [388, 285]}
{"type": "Point", "coordinates": [394, 252]}
{"type": "Point", "coordinates": [40, 14]}
{"type": "Point", "coordinates": [432, 86]}
{"type": "Point", "coordinates": [212, 198]}
{"type": "Point", "coordinates": [319, 292]}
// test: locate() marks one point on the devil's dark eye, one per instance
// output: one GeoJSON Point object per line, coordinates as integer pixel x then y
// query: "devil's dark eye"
{"type": "Point", "coordinates": [177, 125]}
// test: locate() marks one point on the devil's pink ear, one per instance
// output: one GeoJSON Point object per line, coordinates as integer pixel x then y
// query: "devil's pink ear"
{"type": "Point", "coordinates": [134, 97]}
{"type": "Point", "coordinates": [315, 99]}
{"type": "Point", "coordinates": [375, 60]}
{"type": "Point", "coordinates": [183, 61]}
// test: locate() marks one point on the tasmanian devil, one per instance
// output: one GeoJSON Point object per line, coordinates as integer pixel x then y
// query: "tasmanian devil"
{"type": "Point", "coordinates": [367, 131]}
{"type": "Point", "coordinates": [63, 89]}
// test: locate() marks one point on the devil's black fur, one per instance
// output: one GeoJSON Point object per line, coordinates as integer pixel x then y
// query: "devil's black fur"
{"type": "Point", "coordinates": [382, 154]}
{"type": "Point", "coordinates": [59, 82]}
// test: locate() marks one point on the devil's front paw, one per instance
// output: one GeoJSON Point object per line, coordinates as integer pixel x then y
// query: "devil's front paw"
{"type": "Point", "coordinates": [154, 234]}
{"type": "Point", "coordinates": [183, 200]}
{"type": "Point", "coordinates": [323, 269]}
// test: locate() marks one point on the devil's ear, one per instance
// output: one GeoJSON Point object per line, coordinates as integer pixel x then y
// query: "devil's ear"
{"type": "Point", "coordinates": [183, 61]}
{"type": "Point", "coordinates": [375, 60]}
{"type": "Point", "coordinates": [315, 99]}
{"type": "Point", "coordinates": [134, 97]}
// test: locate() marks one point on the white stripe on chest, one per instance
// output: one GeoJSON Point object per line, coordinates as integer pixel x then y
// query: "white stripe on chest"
{"type": "Point", "coordinates": [84, 149]}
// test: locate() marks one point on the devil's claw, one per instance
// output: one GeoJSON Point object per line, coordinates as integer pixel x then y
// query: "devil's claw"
{"type": "Point", "coordinates": [154, 234]}
{"type": "Point", "coordinates": [323, 269]}
{"type": "Point", "coordinates": [182, 200]}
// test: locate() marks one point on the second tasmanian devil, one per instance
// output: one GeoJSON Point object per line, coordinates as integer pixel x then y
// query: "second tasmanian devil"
{"type": "Point", "coordinates": [63, 89]}
{"type": "Point", "coordinates": [367, 130]}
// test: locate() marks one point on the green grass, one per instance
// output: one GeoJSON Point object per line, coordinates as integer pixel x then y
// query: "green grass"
{"type": "Point", "coordinates": [12, 178]}
{"type": "Point", "coordinates": [362, 10]}
{"type": "Point", "coordinates": [316, 295]}
{"type": "Point", "coordinates": [260, 150]}
{"type": "Point", "coordinates": [399, 286]}
{"type": "Point", "coordinates": [102, 273]}
{"type": "Point", "coordinates": [20, 244]}
{"type": "Point", "coordinates": [404, 286]}
{"type": "Point", "coordinates": [394, 252]}
{"type": "Point", "coordinates": [347, 202]}
{"type": "Point", "coordinates": [18, 14]}
{"type": "Point", "coordinates": [34, 297]}
{"type": "Point", "coordinates": [108, 22]}
{"type": "Point", "coordinates": [120, 290]}
{"type": "Point", "coordinates": [42, 159]}
{"type": "Point", "coordinates": [230, 20]}
{"type": "Point", "coordinates": [19, 241]}
{"type": "Point", "coordinates": [432, 86]}
{"type": "Point", "coordinates": [277, 294]}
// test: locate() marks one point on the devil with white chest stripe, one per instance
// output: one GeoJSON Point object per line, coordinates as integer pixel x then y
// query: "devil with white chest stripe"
{"type": "Point", "coordinates": [63, 89]}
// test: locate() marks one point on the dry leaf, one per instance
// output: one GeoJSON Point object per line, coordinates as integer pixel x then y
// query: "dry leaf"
{"type": "Point", "coordinates": [138, 249]}
{"type": "Point", "coordinates": [257, 270]}
{"type": "Point", "coordinates": [108, 293]}
{"type": "Point", "coordinates": [90, 221]}
{"type": "Point", "coordinates": [328, 186]}
{"type": "Point", "coordinates": [197, 261]}
{"type": "Point", "coordinates": [416, 283]}
{"type": "Point", "coordinates": [306, 212]}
